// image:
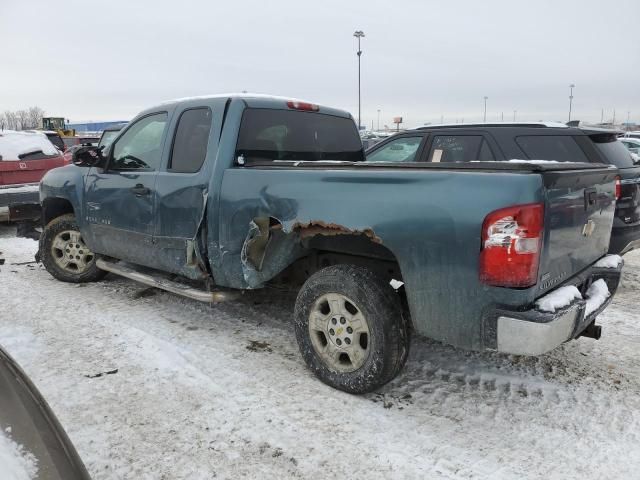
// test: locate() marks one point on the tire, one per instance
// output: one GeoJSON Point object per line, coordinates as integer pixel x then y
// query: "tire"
{"type": "Point", "coordinates": [61, 242]}
{"type": "Point", "coordinates": [342, 350]}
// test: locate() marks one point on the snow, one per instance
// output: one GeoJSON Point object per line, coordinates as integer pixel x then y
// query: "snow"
{"type": "Point", "coordinates": [14, 144]}
{"type": "Point", "coordinates": [559, 298]}
{"type": "Point", "coordinates": [28, 188]}
{"type": "Point", "coordinates": [519, 160]}
{"type": "Point", "coordinates": [16, 463]}
{"type": "Point", "coordinates": [609, 261]}
{"type": "Point", "coordinates": [204, 392]}
{"type": "Point", "coordinates": [597, 294]}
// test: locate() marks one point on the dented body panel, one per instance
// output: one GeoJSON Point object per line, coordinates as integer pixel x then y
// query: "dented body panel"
{"type": "Point", "coordinates": [241, 225]}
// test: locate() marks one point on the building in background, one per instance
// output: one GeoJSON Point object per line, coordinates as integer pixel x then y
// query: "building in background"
{"type": "Point", "coordinates": [93, 127]}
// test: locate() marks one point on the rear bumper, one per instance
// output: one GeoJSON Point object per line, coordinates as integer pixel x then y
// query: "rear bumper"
{"type": "Point", "coordinates": [624, 239]}
{"type": "Point", "coordinates": [532, 332]}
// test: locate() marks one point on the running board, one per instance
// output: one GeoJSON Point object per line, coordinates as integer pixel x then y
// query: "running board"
{"type": "Point", "coordinates": [164, 284]}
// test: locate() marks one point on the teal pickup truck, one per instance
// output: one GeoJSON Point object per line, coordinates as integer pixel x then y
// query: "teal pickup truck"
{"type": "Point", "coordinates": [207, 196]}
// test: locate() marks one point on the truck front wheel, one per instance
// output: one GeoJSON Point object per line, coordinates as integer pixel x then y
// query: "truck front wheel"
{"type": "Point", "coordinates": [350, 328]}
{"type": "Point", "coordinates": [64, 253]}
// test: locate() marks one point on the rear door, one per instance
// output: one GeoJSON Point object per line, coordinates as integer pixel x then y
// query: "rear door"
{"type": "Point", "coordinates": [183, 185]}
{"type": "Point", "coordinates": [119, 201]}
{"type": "Point", "coordinates": [579, 212]}
{"type": "Point", "coordinates": [452, 146]}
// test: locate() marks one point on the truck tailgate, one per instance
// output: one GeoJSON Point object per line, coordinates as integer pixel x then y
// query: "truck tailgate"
{"type": "Point", "coordinates": [579, 212]}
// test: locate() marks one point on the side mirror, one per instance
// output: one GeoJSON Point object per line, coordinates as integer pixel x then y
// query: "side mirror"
{"type": "Point", "coordinates": [89, 156]}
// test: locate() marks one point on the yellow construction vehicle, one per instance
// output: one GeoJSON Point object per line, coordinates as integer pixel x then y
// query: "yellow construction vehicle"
{"type": "Point", "coordinates": [57, 124]}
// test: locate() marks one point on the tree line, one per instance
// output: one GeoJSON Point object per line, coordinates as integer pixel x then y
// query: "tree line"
{"type": "Point", "coordinates": [21, 119]}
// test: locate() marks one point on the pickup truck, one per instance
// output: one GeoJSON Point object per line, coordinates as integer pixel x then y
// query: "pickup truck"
{"type": "Point", "coordinates": [207, 196]}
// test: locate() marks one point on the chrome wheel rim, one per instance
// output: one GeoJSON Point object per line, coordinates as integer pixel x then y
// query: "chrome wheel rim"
{"type": "Point", "coordinates": [70, 253]}
{"type": "Point", "coordinates": [339, 333]}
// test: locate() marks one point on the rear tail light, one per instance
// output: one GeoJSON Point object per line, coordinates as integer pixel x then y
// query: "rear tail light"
{"type": "Point", "coordinates": [511, 243]}
{"type": "Point", "coordinates": [618, 188]}
{"type": "Point", "coordinates": [309, 107]}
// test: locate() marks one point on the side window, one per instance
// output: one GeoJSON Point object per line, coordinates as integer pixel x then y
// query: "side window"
{"type": "Point", "coordinates": [140, 148]}
{"type": "Point", "coordinates": [190, 141]}
{"type": "Point", "coordinates": [561, 148]}
{"type": "Point", "coordinates": [459, 148]}
{"type": "Point", "coordinates": [399, 150]}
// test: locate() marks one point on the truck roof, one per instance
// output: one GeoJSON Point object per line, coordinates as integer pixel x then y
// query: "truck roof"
{"type": "Point", "coordinates": [254, 100]}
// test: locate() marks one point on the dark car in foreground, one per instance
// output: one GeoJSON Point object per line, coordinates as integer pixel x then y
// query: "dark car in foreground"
{"type": "Point", "coordinates": [26, 420]}
{"type": "Point", "coordinates": [460, 143]}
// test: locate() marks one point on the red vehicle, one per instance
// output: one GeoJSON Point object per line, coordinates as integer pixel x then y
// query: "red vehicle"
{"type": "Point", "coordinates": [24, 159]}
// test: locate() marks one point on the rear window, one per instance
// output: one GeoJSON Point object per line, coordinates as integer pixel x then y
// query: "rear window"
{"type": "Point", "coordinates": [612, 150]}
{"type": "Point", "coordinates": [270, 135]}
{"type": "Point", "coordinates": [561, 148]}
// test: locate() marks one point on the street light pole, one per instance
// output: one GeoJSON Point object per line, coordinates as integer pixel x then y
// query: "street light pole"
{"type": "Point", "coordinates": [514, 115]}
{"type": "Point", "coordinates": [485, 108]}
{"type": "Point", "coordinates": [378, 119]}
{"type": "Point", "coordinates": [359, 34]}
{"type": "Point", "coordinates": [571, 87]}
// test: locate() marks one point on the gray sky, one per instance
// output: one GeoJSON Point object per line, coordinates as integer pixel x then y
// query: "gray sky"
{"type": "Point", "coordinates": [107, 60]}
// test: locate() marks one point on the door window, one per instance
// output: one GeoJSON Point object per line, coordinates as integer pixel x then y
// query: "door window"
{"type": "Point", "coordinates": [190, 141]}
{"type": "Point", "coordinates": [140, 148]}
{"type": "Point", "coordinates": [460, 148]}
{"type": "Point", "coordinates": [402, 149]}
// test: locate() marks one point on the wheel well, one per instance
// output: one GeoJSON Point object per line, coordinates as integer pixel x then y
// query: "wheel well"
{"type": "Point", "coordinates": [357, 249]}
{"type": "Point", "coordinates": [55, 207]}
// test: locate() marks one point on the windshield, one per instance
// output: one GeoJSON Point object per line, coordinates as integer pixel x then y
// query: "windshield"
{"type": "Point", "coordinates": [613, 150]}
{"type": "Point", "coordinates": [267, 134]}
{"type": "Point", "coordinates": [107, 138]}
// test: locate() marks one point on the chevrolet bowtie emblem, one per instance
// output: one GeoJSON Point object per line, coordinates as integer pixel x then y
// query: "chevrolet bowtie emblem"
{"type": "Point", "coordinates": [588, 228]}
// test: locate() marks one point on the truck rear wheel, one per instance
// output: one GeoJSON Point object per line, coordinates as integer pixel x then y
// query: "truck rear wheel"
{"type": "Point", "coordinates": [64, 253]}
{"type": "Point", "coordinates": [350, 328]}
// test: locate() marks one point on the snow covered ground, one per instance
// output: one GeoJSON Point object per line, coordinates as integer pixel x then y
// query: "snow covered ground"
{"type": "Point", "coordinates": [152, 386]}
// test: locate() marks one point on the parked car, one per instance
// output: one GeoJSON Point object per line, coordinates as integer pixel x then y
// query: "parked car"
{"type": "Point", "coordinates": [27, 420]}
{"type": "Point", "coordinates": [633, 145]}
{"type": "Point", "coordinates": [634, 134]}
{"type": "Point", "coordinates": [540, 141]}
{"type": "Point", "coordinates": [24, 158]}
{"type": "Point", "coordinates": [225, 193]}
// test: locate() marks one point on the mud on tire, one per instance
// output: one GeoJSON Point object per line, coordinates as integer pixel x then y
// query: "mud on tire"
{"type": "Point", "coordinates": [56, 236]}
{"type": "Point", "coordinates": [326, 333]}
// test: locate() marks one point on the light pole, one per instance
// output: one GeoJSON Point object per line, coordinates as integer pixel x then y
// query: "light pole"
{"type": "Point", "coordinates": [378, 119]}
{"type": "Point", "coordinates": [571, 87]}
{"type": "Point", "coordinates": [359, 34]}
{"type": "Point", "coordinates": [485, 108]}
{"type": "Point", "coordinates": [514, 115]}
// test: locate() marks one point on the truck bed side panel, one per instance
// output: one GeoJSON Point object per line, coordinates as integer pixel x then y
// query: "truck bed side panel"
{"type": "Point", "coordinates": [430, 221]}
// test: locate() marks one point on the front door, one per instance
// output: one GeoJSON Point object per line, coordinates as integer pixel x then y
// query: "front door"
{"type": "Point", "coordinates": [120, 199]}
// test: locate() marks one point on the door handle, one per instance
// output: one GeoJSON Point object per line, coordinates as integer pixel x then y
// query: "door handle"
{"type": "Point", "coordinates": [140, 190]}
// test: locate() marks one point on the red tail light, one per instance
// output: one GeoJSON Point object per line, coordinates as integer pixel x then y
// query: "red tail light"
{"type": "Point", "coordinates": [511, 243]}
{"type": "Point", "coordinates": [618, 188]}
{"type": "Point", "coordinates": [309, 107]}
